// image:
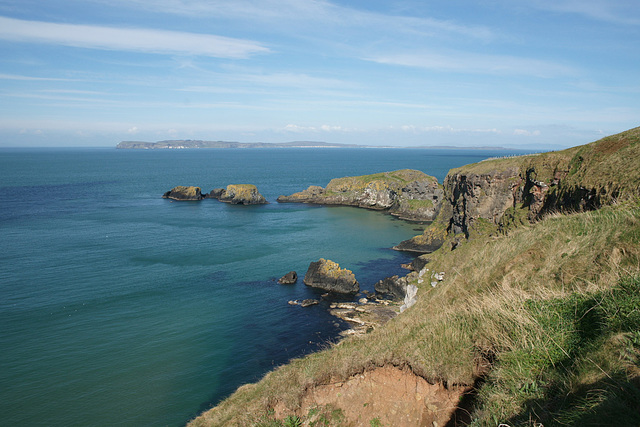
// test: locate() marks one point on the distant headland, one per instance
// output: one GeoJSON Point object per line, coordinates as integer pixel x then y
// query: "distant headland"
{"type": "Point", "coordinates": [180, 144]}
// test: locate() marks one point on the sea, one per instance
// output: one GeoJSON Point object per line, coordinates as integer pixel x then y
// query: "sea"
{"type": "Point", "coordinates": [121, 308]}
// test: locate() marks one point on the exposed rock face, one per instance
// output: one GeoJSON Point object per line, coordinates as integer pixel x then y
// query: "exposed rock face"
{"type": "Point", "coordinates": [327, 275]}
{"type": "Point", "coordinates": [239, 194]}
{"type": "Point", "coordinates": [184, 193]}
{"type": "Point", "coordinates": [496, 195]}
{"type": "Point", "coordinates": [406, 193]}
{"type": "Point", "coordinates": [289, 279]}
{"type": "Point", "coordinates": [395, 286]}
{"type": "Point", "coordinates": [487, 196]}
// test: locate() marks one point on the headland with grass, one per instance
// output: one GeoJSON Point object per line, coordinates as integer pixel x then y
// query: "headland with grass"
{"type": "Point", "coordinates": [537, 320]}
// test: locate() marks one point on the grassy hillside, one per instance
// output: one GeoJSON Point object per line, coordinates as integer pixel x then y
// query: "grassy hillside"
{"type": "Point", "coordinates": [544, 322]}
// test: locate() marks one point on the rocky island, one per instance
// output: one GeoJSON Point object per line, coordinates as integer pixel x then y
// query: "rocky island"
{"type": "Point", "coordinates": [184, 193]}
{"type": "Point", "coordinates": [408, 194]}
{"type": "Point", "coordinates": [235, 194]}
{"type": "Point", "coordinates": [239, 194]}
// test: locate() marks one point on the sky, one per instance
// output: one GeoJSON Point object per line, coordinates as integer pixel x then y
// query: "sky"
{"type": "Point", "coordinates": [534, 74]}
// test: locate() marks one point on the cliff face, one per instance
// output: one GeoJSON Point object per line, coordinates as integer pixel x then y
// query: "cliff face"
{"type": "Point", "coordinates": [496, 195]}
{"type": "Point", "coordinates": [406, 193]}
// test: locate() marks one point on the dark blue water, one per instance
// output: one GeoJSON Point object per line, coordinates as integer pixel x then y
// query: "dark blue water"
{"type": "Point", "coordinates": [118, 307]}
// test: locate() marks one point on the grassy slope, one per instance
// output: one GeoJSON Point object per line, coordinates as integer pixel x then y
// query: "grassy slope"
{"type": "Point", "coordinates": [546, 315]}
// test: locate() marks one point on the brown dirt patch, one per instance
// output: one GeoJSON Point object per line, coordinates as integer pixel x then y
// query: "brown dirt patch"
{"type": "Point", "coordinates": [396, 397]}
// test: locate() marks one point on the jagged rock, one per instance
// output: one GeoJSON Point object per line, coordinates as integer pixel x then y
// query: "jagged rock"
{"type": "Point", "coordinates": [327, 275]}
{"type": "Point", "coordinates": [289, 279]}
{"type": "Point", "coordinates": [394, 286]}
{"type": "Point", "coordinates": [184, 193]}
{"type": "Point", "coordinates": [239, 194]}
{"type": "Point", "coordinates": [408, 194]}
{"type": "Point", "coordinates": [216, 193]}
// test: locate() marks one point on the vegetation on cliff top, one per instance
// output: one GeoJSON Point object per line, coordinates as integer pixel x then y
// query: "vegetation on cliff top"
{"type": "Point", "coordinates": [543, 322]}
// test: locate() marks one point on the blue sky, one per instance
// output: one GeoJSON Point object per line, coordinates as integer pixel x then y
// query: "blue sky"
{"type": "Point", "coordinates": [535, 74]}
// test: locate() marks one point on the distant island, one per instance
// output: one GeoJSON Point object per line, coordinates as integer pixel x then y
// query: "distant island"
{"type": "Point", "coordinates": [180, 144]}
{"type": "Point", "coordinates": [191, 143]}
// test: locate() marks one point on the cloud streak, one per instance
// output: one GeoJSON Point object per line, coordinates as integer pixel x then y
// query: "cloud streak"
{"type": "Point", "coordinates": [309, 15]}
{"type": "Point", "coordinates": [128, 39]}
{"type": "Point", "coordinates": [465, 62]}
{"type": "Point", "coordinates": [618, 12]}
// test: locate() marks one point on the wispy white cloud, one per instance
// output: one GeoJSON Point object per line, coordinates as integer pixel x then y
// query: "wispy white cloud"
{"type": "Point", "coordinates": [619, 11]}
{"type": "Point", "coordinates": [467, 62]}
{"type": "Point", "coordinates": [292, 15]}
{"type": "Point", "coordinates": [32, 78]}
{"type": "Point", "coordinates": [127, 39]}
{"type": "Point", "coordinates": [292, 128]}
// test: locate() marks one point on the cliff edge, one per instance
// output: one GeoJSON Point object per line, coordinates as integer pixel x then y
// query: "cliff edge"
{"type": "Point", "coordinates": [497, 195]}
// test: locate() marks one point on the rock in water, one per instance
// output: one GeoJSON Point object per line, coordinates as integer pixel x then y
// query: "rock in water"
{"type": "Point", "coordinates": [183, 193]}
{"type": "Point", "coordinates": [327, 275]}
{"type": "Point", "coordinates": [289, 279]}
{"type": "Point", "coordinates": [239, 194]}
{"type": "Point", "coordinates": [216, 193]}
{"type": "Point", "coordinates": [309, 302]}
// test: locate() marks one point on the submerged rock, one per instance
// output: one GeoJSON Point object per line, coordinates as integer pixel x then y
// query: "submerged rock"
{"type": "Point", "coordinates": [289, 279]}
{"type": "Point", "coordinates": [309, 302]}
{"type": "Point", "coordinates": [182, 192]}
{"type": "Point", "coordinates": [327, 275]}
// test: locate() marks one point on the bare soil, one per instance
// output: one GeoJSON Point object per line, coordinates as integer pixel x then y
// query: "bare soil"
{"type": "Point", "coordinates": [388, 396]}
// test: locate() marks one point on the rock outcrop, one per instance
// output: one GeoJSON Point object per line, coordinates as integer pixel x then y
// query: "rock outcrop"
{"type": "Point", "coordinates": [184, 193]}
{"type": "Point", "coordinates": [394, 286]}
{"type": "Point", "coordinates": [239, 194]}
{"type": "Point", "coordinates": [288, 279]}
{"type": "Point", "coordinates": [408, 194]}
{"type": "Point", "coordinates": [496, 195]}
{"type": "Point", "coordinates": [327, 275]}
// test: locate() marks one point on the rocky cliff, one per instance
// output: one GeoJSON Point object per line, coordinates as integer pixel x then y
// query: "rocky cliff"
{"type": "Point", "coordinates": [496, 195]}
{"type": "Point", "coordinates": [408, 194]}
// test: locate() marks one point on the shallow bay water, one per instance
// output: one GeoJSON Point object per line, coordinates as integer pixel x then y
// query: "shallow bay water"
{"type": "Point", "coordinates": [118, 307]}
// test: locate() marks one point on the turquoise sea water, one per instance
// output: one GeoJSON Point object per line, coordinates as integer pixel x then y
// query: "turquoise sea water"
{"type": "Point", "coordinates": [118, 307]}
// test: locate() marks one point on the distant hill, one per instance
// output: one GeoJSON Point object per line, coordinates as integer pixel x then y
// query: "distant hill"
{"type": "Point", "coordinates": [190, 143]}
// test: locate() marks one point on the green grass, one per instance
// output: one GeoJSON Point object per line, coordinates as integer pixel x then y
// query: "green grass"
{"type": "Point", "coordinates": [583, 369]}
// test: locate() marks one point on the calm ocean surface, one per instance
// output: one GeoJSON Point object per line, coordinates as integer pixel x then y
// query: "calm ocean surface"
{"type": "Point", "coordinates": [118, 307]}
